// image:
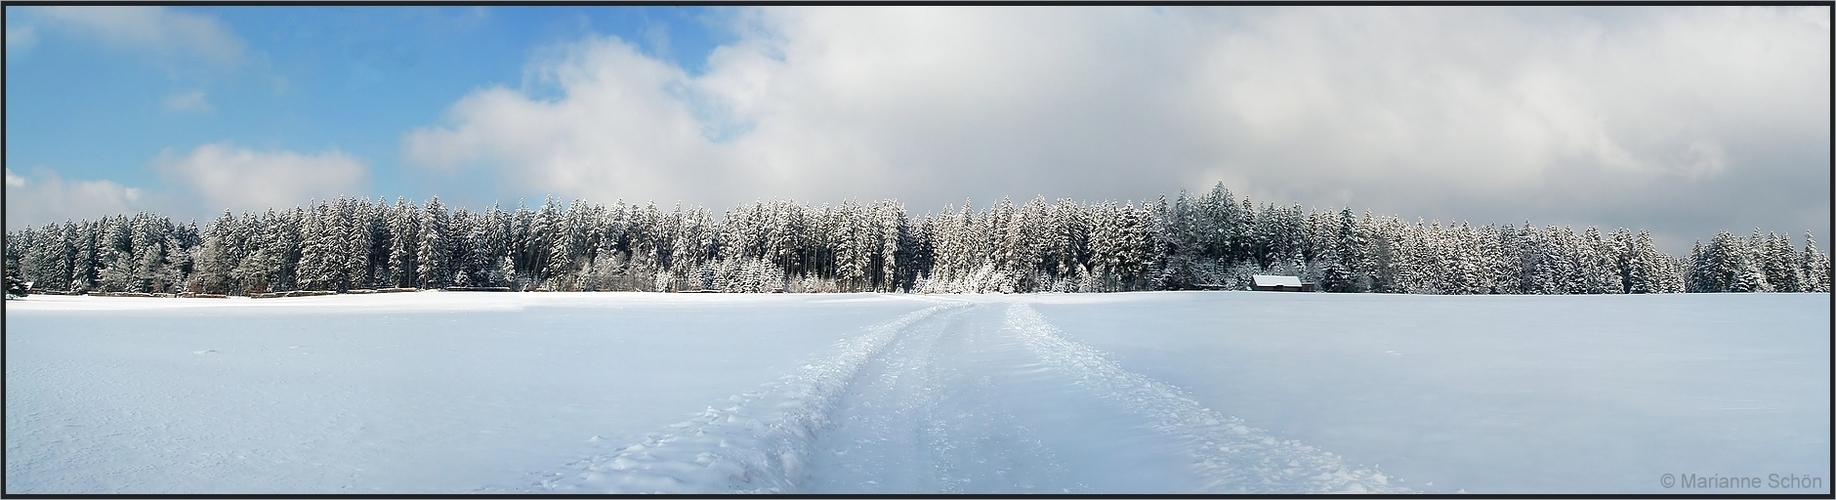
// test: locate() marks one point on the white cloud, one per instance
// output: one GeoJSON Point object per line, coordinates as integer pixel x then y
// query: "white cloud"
{"type": "Point", "coordinates": [617, 129]}
{"type": "Point", "coordinates": [1612, 116]}
{"type": "Point", "coordinates": [224, 176]}
{"type": "Point", "coordinates": [46, 197]}
{"type": "Point", "coordinates": [193, 101]}
{"type": "Point", "coordinates": [155, 28]}
{"type": "Point", "coordinates": [20, 37]}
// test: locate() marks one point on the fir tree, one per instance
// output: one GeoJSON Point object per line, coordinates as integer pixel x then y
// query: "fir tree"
{"type": "Point", "coordinates": [433, 257]}
{"type": "Point", "coordinates": [1815, 266]}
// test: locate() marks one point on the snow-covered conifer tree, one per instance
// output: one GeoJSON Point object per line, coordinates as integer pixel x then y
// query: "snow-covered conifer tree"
{"type": "Point", "coordinates": [217, 256]}
{"type": "Point", "coordinates": [1815, 266]}
{"type": "Point", "coordinates": [404, 244]}
{"type": "Point", "coordinates": [318, 244]}
{"type": "Point", "coordinates": [375, 217]}
{"type": "Point", "coordinates": [1751, 262]}
{"type": "Point", "coordinates": [432, 257]}
{"type": "Point", "coordinates": [259, 271]}
{"type": "Point", "coordinates": [1341, 270]}
{"type": "Point", "coordinates": [1779, 262]}
{"type": "Point", "coordinates": [1723, 266]}
{"type": "Point", "coordinates": [115, 255]}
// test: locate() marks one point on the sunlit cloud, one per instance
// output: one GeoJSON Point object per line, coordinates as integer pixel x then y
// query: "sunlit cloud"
{"type": "Point", "coordinates": [224, 176]}
{"type": "Point", "coordinates": [45, 197]}
{"type": "Point", "coordinates": [1489, 114]}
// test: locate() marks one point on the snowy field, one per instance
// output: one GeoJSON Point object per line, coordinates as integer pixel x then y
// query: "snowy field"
{"type": "Point", "coordinates": [438, 392]}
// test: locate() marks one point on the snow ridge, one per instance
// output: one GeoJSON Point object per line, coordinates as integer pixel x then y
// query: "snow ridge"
{"type": "Point", "coordinates": [758, 444]}
{"type": "Point", "coordinates": [1235, 457]}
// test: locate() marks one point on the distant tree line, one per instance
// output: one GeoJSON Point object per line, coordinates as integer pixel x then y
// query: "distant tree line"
{"type": "Point", "coordinates": [1210, 240]}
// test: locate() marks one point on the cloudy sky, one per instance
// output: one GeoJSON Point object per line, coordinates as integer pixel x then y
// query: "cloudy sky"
{"type": "Point", "coordinates": [1683, 121]}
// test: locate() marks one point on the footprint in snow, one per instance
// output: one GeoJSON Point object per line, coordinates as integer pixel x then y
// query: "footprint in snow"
{"type": "Point", "coordinates": [1392, 353]}
{"type": "Point", "coordinates": [206, 351]}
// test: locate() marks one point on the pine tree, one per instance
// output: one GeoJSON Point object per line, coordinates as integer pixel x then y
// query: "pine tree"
{"type": "Point", "coordinates": [16, 246]}
{"type": "Point", "coordinates": [353, 221]}
{"type": "Point", "coordinates": [1724, 266]}
{"type": "Point", "coordinates": [181, 243]}
{"type": "Point", "coordinates": [892, 231]}
{"type": "Point", "coordinates": [1619, 251]}
{"type": "Point", "coordinates": [1780, 265]}
{"type": "Point", "coordinates": [215, 257]}
{"type": "Point", "coordinates": [373, 225]}
{"type": "Point", "coordinates": [288, 246]}
{"type": "Point", "coordinates": [1594, 263]}
{"type": "Point", "coordinates": [115, 255]}
{"type": "Point", "coordinates": [543, 225]}
{"type": "Point", "coordinates": [1752, 264]}
{"type": "Point", "coordinates": [1815, 266]}
{"type": "Point", "coordinates": [26, 256]}
{"type": "Point", "coordinates": [1382, 259]}
{"type": "Point", "coordinates": [1341, 256]}
{"type": "Point", "coordinates": [260, 271]}
{"type": "Point", "coordinates": [43, 255]}
{"type": "Point", "coordinates": [462, 266]}
{"type": "Point", "coordinates": [567, 251]}
{"type": "Point", "coordinates": [404, 244]}
{"type": "Point", "coordinates": [149, 254]}
{"type": "Point", "coordinates": [1645, 272]}
{"type": "Point", "coordinates": [433, 256]}
{"type": "Point", "coordinates": [85, 264]}
{"type": "Point", "coordinates": [318, 248]}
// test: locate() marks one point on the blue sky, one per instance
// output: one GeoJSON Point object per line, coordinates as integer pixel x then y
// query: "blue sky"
{"type": "Point", "coordinates": [1683, 121]}
{"type": "Point", "coordinates": [308, 79]}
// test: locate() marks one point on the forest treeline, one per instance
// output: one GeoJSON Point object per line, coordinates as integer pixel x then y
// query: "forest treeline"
{"type": "Point", "coordinates": [1208, 240]}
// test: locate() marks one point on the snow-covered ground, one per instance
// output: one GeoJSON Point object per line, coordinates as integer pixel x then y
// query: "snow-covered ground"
{"type": "Point", "coordinates": [440, 392]}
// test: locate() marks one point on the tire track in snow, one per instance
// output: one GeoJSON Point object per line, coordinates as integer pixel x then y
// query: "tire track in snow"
{"type": "Point", "coordinates": [1232, 456]}
{"type": "Point", "coordinates": [927, 416]}
{"type": "Point", "coordinates": [759, 444]}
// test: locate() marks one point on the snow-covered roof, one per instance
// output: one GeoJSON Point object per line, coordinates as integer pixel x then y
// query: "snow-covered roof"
{"type": "Point", "coordinates": [1273, 280]}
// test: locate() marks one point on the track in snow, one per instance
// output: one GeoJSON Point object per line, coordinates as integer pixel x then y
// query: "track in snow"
{"type": "Point", "coordinates": [964, 398]}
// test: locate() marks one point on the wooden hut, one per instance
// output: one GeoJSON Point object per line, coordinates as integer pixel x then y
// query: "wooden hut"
{"type": "Point", "coordinates": [1278, 283]}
